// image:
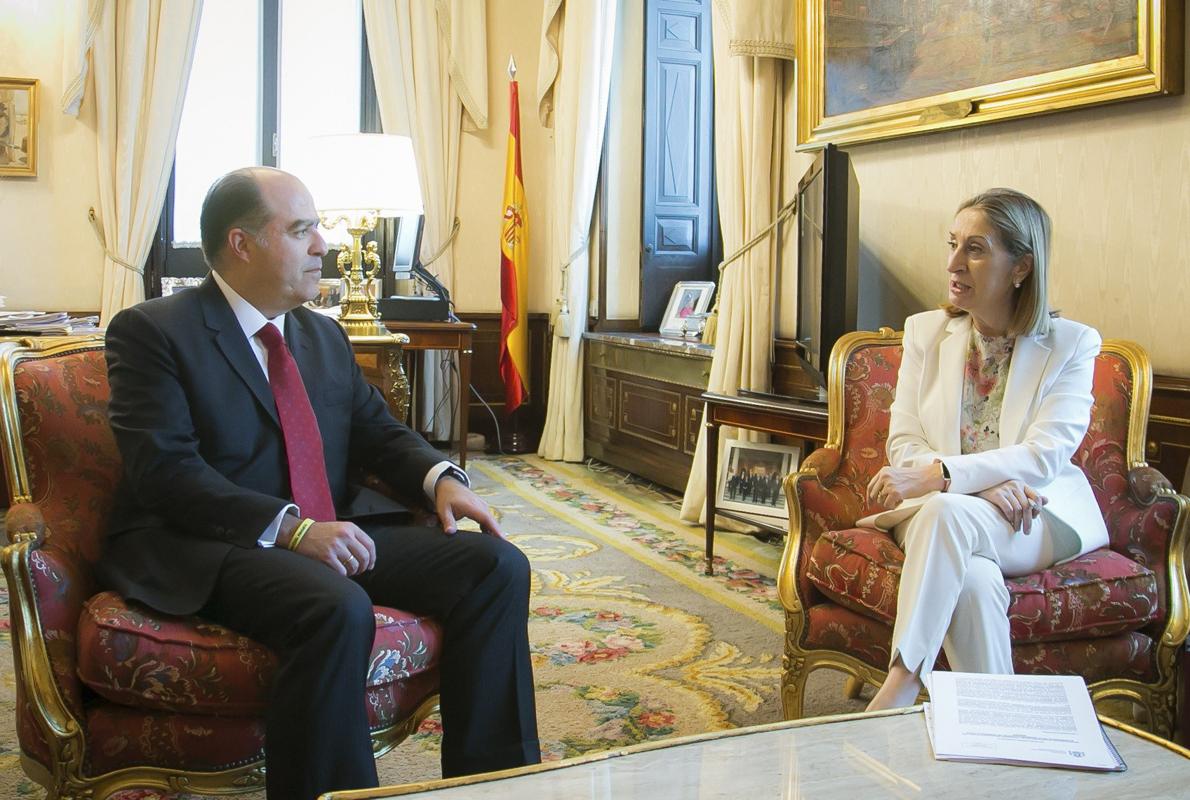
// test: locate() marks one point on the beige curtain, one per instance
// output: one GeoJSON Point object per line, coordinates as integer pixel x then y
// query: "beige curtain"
{"type": "Point", "coordinates": [141, 52]}
{"type": "Point", "coordinates": [430, 63]}
{"type": "Point", "coordinates": [754, 132]}
{"type": "Point", "coordinates": [574, 75]}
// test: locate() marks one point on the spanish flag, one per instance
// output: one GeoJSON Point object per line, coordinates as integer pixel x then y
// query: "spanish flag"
{"type": "Point", "coordinates": [514, 264]}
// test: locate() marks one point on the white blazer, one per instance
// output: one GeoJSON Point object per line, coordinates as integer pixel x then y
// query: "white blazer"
{"type": "Point", "coordinates": [1044, 417]}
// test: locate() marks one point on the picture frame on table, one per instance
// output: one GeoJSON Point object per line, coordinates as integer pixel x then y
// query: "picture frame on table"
{"type": "Point", "coordinates": [885, 68]}
{"type": "Point", "coordinates": [18, 126]}
{"type": "Point", "coordinates": [752, 477]}
{"type": "Point", "coordinates": [688, 304]}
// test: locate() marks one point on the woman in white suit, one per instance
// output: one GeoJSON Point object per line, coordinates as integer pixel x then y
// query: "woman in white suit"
{"type": "Point", "coordinates": [993, 398]}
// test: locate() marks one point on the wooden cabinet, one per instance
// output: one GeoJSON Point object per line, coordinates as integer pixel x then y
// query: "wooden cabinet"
{"type": "Point", "coordinates": [642, 404]}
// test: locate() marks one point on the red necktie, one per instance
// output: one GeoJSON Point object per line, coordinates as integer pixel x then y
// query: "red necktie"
{"type": "Point", "coordinates": [299, 427]}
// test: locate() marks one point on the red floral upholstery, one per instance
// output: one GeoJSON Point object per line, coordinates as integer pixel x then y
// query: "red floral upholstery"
{"type": "Point", "coordinates": [141, 689]}
{"type": "Point", "coordinates": [1104, 615]}
{"type": "Point", "coordinates": [1098, 594]}
{"type": "Point", "coordinates": [833, 628]}
{"type": "Point", "coordinates": [135, 656]}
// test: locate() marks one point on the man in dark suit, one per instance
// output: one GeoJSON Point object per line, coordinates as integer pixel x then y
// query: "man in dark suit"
{"type": "Point", "coordinates": [229, 508]}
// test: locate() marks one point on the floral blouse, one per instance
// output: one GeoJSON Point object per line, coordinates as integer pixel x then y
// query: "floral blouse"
{"type": "Point", "coordinates": [983, 391]}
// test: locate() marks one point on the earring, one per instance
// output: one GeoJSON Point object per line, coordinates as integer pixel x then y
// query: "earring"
{"type": "Point", "coordinates": [1017, 284]}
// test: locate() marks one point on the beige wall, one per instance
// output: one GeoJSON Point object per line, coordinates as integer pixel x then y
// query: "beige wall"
{"type": "Point", "coordinates": [1115, 179]}
{"type": "Point", "coordinates": [514, 28]}
{"type": "Point", "coordinates": [49, 256]}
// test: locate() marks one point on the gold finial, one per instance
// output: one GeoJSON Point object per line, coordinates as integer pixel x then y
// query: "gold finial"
{"type": "Point", "coordinates": [511, 68]}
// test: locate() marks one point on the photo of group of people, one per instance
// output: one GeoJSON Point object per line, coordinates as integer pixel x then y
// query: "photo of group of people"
{"type": "Point", "coordinates": [755, 485]}
{"type": "Point", "coordinates": [753, 476]}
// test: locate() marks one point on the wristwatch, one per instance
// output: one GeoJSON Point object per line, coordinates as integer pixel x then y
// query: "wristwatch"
{"type": "Point", "coordinates": [456, 473]}
{"type": "Point", "coordinates": [945, 475]}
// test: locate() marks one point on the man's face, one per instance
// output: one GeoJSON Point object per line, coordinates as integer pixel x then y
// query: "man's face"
{"type": "Point", "coordinates": [286, 256]}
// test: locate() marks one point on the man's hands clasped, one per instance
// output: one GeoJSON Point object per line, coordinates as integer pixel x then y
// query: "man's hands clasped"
{"type": "Point", "coordinates": [346, 549]}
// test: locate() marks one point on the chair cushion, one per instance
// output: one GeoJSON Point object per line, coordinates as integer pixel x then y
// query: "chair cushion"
{"type": "Point", "coordinates": [135, 656]}
{"type": "Point", "coordinates": [829, 627]}
{"type": "Point", "coordinates": [1098, 594]}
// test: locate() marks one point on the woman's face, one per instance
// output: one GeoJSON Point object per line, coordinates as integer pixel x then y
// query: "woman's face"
{"type": "Point", "coordinates": [982, 271]}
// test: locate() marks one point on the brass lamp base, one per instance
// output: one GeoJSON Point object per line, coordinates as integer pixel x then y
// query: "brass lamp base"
{"type": "Point", "coordinates": [357, 313]}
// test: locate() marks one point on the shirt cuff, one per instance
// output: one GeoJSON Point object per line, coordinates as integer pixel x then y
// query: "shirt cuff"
{"type": "Point", "coordinates": [269, 537]}
{"type": "Point", "coordinates": [437, 471]}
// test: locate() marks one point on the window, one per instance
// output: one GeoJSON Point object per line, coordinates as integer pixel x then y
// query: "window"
{"type": "Point", "coordinates": [658, 221]}
{"type": "Point", "coordinates": [267, 76]}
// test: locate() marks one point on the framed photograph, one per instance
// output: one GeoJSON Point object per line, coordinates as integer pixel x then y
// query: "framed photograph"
{"type": "Point", "coordinates": [18, 126]}
{"type": "Point", "coordinates": [690, 299]}
{"type": "Point", "coordinates": [752, 477]}
{"type": "Point", "coordinates": [875, 69]}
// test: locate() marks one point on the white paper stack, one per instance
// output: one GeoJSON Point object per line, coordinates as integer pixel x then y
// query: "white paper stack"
{"type": "Point", "coordinates": [1033, 720]}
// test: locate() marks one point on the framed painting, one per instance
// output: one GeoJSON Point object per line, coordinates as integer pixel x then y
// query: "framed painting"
{"type": "Point", "coordinates": [18, 126]}
{"type": "Point", "coordinates": [875, 69]}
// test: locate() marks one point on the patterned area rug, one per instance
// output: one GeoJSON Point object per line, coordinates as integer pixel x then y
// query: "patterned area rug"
{"type": "Point", "coordinates": [631, 642]}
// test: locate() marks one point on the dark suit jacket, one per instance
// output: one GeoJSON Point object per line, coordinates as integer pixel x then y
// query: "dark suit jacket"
{"type": "Point", "coordinates": [204, 459]}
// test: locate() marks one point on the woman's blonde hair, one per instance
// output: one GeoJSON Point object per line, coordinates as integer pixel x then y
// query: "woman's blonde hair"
{"type": "Point", "coordinates": [1024, 229]}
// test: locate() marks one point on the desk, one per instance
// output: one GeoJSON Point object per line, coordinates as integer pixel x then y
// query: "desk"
{"type": "Point", "coordinates": [456, 336]}
{"type": "Point", "coordinates": [770, 415]}
{"type": "Point", "coordinates": [880, 754]}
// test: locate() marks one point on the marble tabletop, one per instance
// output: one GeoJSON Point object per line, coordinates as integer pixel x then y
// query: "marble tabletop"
{"type": "Point", "coordinates": [886, 754]}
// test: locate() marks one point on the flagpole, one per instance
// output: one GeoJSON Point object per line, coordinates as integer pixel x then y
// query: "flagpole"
{"type": "Point", "coordinates": [514, 322]}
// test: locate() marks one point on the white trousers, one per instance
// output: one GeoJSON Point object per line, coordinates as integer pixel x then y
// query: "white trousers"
{"type": "Point", "coordinates": [958, 549]}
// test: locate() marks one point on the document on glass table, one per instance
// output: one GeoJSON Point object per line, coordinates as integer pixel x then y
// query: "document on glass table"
{"type": "Point", "coordinates": [1034, 720]}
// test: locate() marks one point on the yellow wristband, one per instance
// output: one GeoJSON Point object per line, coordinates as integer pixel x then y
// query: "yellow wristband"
{"type": "Point", "coordinates": [299, 532]}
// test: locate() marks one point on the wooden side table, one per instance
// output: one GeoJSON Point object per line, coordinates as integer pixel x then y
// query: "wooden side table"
{"type": "Point", "coordinates": [774, 415]}
{"type": "Point", "coordinates": [455, 335]}
{"type": "Point", "coordinates": [381, 359]}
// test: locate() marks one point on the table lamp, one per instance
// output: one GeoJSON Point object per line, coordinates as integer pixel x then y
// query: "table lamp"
{"type": "Point", "coordinates": [360, 178]}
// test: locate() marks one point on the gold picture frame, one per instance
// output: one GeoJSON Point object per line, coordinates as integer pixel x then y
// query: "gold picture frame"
{"type": "Point", "coordinates": [18, 126]}
{"type": "Point", "coordinates": [878, 69]}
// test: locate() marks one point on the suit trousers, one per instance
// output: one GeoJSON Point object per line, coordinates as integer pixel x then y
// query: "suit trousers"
{"type": "Point", "coordinates": [958, 550]}
{"type": "Point", "coordinates": [321, 627]}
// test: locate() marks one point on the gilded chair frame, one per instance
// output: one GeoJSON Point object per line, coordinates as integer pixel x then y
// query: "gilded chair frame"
{"type": "Point", "coordinates": [1158, 699]}
{"type": "Point", "coordinates": [65, 778]}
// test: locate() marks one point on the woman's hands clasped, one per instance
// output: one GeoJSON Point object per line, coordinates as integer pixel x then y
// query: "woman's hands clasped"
{"type": "Point", "coordinates": [893, 485]}
{"type": "Point", "coordinates": [1018, 503]}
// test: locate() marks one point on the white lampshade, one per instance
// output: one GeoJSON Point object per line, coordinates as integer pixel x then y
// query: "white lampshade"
{"type": "Point", "coordinates": [362, 173]}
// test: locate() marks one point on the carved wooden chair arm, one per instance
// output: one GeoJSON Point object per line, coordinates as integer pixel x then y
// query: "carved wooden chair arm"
{"type": "Point", "coordinates": [25, 523]}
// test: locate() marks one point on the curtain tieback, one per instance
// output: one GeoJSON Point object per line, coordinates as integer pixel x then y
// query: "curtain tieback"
{"type": "Point", "coordinates": [91, 215]}
{"type": "Point", "coordinates": [562, 318]}
{"type": "Point", "coordinates": [787, 210]}
{"type": "Point", "coordinates": [454, 231]}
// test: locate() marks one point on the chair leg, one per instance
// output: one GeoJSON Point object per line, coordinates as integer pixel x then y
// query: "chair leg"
{"type": "Point", "coordinates": [853, 687]}
{"type": "Point", "coordinates": [793, 686]}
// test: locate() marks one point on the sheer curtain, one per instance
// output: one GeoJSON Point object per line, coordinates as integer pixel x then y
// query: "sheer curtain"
{"type": "Point", "coordinates": [572, 90]}
{"type": "Point", "coordinates": [430, 63]}
{"type": "Point", "coordinates": [754, 130]}
{"type": "Point", "coordinates": [140, 54]}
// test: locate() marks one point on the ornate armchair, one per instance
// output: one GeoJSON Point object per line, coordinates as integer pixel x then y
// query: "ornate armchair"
{"type": "Point", "coordinates": [1117, 616]}
{"type": "Point", "coordinates": [110, 694]}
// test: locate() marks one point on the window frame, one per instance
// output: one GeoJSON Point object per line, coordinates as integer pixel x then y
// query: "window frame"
{"type": "Point", "coordinates": [165, 260]}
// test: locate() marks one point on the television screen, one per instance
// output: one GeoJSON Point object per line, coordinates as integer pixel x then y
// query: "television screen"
{"type": "Point", "coordinates": [828, 257]}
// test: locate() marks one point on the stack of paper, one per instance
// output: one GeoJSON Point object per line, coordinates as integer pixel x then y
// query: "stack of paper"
{"type": "Point", "coordinates": [1035, 720]}
{"type": "Point", "coordinates": [46, 323]}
